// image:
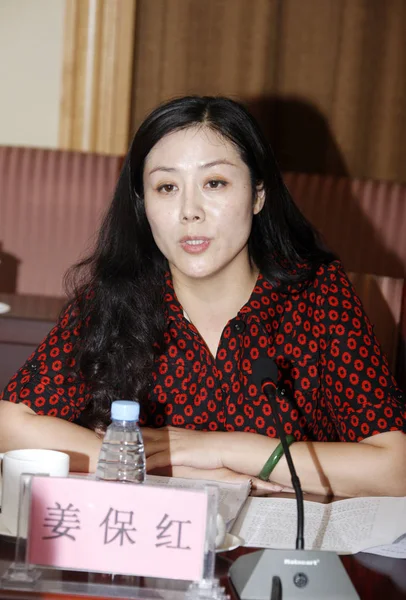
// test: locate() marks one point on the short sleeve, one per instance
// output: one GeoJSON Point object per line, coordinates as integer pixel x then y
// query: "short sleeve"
{"type": "Point", "coordinates": [360, 392]}
{"type": "Point", "coordinates": [47, 382]}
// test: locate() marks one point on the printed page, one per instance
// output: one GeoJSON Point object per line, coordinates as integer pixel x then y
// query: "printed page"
{"type": "Point", "coordinates": [346, 526]}
{"type": "Point", "coordinates": [395, 550]}
{"type": "Point", "coordinates": [231, 495]}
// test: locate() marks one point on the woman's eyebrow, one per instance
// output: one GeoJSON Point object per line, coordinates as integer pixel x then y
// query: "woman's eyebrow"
{"type": "Point", "coordinates": [213, 163]}
{"type": "Point", "coordinates": [166, 169]}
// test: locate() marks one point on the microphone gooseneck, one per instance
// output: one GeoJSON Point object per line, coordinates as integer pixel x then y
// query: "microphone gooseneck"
{"type": "Point", "coordinates": [292, 574]}
{"type": "Point", "coordinates": [271, 391]}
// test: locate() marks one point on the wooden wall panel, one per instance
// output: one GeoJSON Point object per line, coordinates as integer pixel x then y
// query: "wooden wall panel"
{"type": "Point", "coordinates": [97, 75]}
{"type": "Point", "coordinates": [202, 47]}
{"type": "Point", "coordinates": [326, 78]}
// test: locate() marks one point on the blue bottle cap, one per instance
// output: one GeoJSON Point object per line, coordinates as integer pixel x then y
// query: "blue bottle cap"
{"type": "Point", "coordinates": [125, 410]}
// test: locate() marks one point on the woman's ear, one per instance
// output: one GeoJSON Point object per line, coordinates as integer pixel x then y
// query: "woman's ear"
{"type": "Point", "coordinates": [259, 199]}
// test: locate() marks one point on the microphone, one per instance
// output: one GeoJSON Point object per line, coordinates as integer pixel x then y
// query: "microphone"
{"type": "Point", "coordinates": [300, 574]}
{"type": "Point", "coordinates": [270, 389]}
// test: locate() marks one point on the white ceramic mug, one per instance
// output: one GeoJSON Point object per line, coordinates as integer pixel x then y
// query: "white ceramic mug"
{"type": "Point", "coordinates": [17, 462]}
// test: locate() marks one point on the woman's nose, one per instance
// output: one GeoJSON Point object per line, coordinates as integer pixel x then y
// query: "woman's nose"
{"type": "Point", "coordinates": [191, 217]}
{"type": "Point", "coordinates": [192, 209]}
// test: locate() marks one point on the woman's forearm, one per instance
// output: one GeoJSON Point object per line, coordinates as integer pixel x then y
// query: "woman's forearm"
{"type": "Point", "coordinates": [376, 466]}
{"type": "Point", "coordinates": [21, 428]}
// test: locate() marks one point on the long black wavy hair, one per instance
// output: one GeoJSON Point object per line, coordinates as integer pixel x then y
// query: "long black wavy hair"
{"type": "Point", "coordinates": [118, 290]}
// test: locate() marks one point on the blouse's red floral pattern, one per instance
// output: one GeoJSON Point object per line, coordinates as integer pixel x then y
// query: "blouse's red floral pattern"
{"type": "Point", "coordinates": [336, 381]}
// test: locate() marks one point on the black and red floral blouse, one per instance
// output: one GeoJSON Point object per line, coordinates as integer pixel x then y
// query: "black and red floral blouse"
{"type": "Point", "coordinates": [336, 381]}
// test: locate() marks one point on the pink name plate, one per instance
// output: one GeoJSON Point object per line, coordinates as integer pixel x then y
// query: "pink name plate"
{"type": "Point", "coordinates": [111, 527]}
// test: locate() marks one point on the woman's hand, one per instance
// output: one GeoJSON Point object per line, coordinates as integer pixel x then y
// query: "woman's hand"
{"type": "Point", "coordinates": [172, 446]}
{"type": "Point", "coordinates": [240, 452]}
{"type": "Point", "coordinates": [257, 485]}
{"type": "Point", "coordinates": [199, 455]}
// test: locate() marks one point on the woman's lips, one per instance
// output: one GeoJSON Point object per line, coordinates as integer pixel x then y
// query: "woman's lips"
{"type": "Point", "coordinates": [194, 245]}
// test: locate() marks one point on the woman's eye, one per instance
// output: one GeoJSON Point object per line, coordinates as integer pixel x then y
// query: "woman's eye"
{"type": "Point", "coordinates": [215, 184]}
{"type": "Point", "coordinates": [166, 188]}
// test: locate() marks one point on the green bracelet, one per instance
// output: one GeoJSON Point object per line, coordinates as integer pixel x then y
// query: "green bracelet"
{"type": "Point", "coordinates": [274, 459]}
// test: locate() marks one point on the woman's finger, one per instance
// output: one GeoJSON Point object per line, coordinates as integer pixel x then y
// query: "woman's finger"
{"type": "Point", "coordinates": [159, 460]}
{"type": "Point", "coordinates": [189, 472]}
{"type": "Point", "coordinates": [155, 447]}
{"type": "Point", "coordinates": [265, 486]}
{"type": "Point", "coordinates": [149, 434]}
{"type": "Point", "coordinates": [221, 474]}
{"type": "Point", "coordinates": [155, 440]}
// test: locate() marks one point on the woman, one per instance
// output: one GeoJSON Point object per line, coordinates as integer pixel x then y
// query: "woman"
{"type": "Point", "coordinates": [203, 268]}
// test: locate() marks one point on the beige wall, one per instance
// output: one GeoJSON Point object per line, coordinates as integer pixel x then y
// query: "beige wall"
{"type": "Point", "coordinates": [31, 46]}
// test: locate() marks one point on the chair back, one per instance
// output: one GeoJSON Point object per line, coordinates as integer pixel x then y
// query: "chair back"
{"type": "Point", "coordinates": [51, 205]}
{"type": "Point", "coordinates": [363, 221]}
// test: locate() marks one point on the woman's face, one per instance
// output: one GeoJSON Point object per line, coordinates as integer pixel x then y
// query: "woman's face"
{"type": "Point", "coordinates": [199, 204]}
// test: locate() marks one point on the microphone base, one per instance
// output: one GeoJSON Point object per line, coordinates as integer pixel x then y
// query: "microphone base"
{"type": "Point", "coordinates": [305, 574]}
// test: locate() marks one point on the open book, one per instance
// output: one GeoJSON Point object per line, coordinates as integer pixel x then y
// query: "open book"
{"type": "Point", "coordinates": [232, 496]}
{"type": "Point", "coordinates": [344, 526]}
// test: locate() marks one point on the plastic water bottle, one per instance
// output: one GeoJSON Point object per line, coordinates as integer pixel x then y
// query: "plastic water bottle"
{"type": "Point", "coordinates": [122, 455]}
